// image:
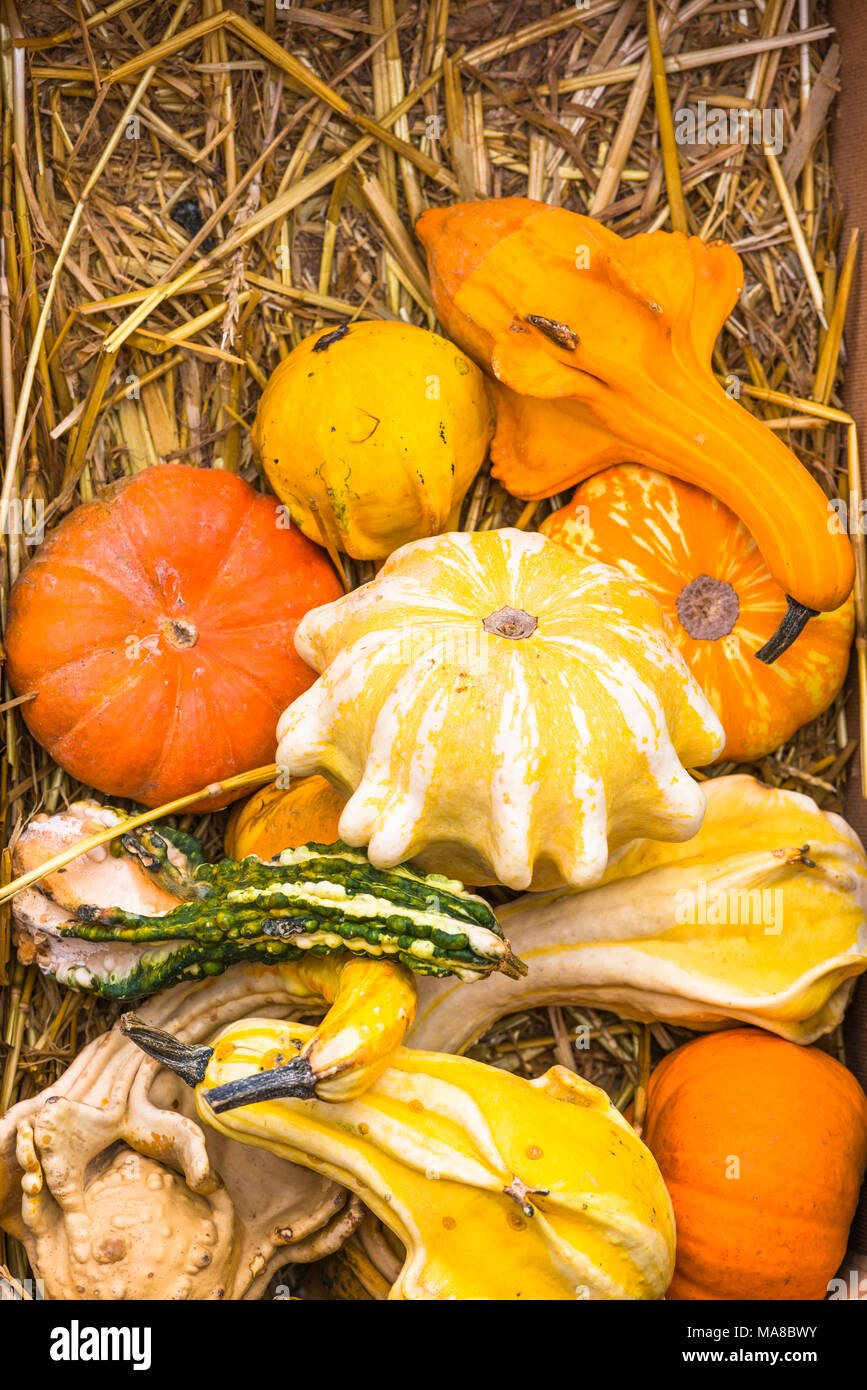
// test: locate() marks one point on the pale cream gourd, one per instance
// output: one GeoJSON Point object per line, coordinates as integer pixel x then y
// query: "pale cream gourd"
{"type": "Point", "coordinates": [760, 918]}
{"type": "Point", "coordinates": [116, 1192]}
{"type": "Point", "coordinates": [500, 710]}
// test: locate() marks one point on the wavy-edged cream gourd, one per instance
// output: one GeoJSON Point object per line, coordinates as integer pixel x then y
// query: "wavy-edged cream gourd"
{"type": "Point", "coordinates": [760, 918]}
{"type": "Point", "coordinates": [498, 709]}
{"type": "Point", "coordinates": [498, 1187]}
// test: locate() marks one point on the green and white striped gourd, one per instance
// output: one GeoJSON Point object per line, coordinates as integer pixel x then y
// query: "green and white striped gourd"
{"type": "Point", "coordinates": [201, 918]}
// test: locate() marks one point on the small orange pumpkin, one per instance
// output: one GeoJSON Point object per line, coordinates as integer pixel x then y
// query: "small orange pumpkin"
{"type": "Point", "coordinates": [704, 569]}
{"type": "Point", "coordinates": [762, 1145]}
{"type": "Point", "coordinates": [274, 819]}
{"type": "Point", "coordinates": [155, 627]}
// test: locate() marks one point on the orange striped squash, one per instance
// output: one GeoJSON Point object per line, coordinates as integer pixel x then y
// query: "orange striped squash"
{"type": "Point", "coordinates": [704, 569]}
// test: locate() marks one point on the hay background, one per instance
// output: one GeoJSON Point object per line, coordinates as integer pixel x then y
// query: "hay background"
{"type": "Point", "coordinates": [306, 226]}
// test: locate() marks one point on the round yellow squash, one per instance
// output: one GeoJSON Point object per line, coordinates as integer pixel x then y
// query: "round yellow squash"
{"type": "Point", "coordinates": [500, 710]}
{"type": "Point", "coordinates": [371, 434]}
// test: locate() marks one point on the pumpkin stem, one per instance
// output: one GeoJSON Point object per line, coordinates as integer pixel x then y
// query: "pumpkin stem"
{"type": "Point", "coordinates": [322, 344]}
{"type": "Point", "coordinates": [795, 620]}
{"type": "Point", "coordinates": [186, 1061]}
{"type": "Point", "coordinates": [708, 608]}
{"type": "Point", "coordinates": [510, 622]}
{"type": "Point", "coordinates": [179, 633]}
{"type": "Point", "coordinates": [297, 1080]}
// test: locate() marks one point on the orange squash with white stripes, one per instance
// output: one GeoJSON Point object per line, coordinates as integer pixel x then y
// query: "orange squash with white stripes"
{"type": "Point", "coordinates": [704, 569]}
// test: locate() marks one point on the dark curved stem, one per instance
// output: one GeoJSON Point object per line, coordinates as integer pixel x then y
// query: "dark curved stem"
{"type": "Point", "coordinates": [185, 1060]}
{"type": "Point", "coordinates": [298, 1080]}
{"type": "Point", "coordinates": [150, 846]}
{"type": "Point", "coordinates": [793, 624]}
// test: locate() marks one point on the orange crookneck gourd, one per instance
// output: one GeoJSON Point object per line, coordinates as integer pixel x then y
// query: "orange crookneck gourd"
{"type": "Point", "coordinates": [704, 570]}
{"type": "Point", "coordinates": [600, 349]}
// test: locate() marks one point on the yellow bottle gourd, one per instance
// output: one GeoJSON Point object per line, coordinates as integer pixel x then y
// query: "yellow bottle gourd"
{"type": "Point", "coordinates": [760, 918]}
{"type": "Point", "coordinates": [371, 1006]}
{"type": "Point", "coordinates": [498, 1188]}
{"type": "Point", "coordinates": [371, 434]}
{"type": "Point", "coordinates": [497, 709]}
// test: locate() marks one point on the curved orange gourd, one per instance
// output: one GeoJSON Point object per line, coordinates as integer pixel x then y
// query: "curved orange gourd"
{"type": "Point", "coordinates": [704, 570]}
{"type": "Point", "coordinates": [762, 1145]}
{"type": "Point", "coordinates": [155, 627]}
{"type": "Point", "coordinates": [600, 346]}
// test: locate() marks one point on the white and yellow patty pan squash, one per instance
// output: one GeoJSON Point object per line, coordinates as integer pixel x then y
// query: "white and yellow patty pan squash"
{"type": "Point", "coordinates": [500, 710]}
{"type": "Point", "coordinates": [759, 919]}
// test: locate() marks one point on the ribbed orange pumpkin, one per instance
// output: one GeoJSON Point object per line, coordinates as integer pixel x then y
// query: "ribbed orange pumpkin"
{"type": "Point", "coordinates": [762, 1145]}
{"type": "Point", "coordinates": [704, 570]}
{"type": "Point", "coordinates": [274, 819]}
{"type": "Point", "coordinates": [155, 627]}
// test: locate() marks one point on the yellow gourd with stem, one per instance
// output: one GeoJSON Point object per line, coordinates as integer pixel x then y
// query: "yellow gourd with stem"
{"type": "Point", "coordinates": [498, 1187]}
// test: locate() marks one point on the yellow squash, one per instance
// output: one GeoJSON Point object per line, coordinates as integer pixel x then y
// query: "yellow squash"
{"type": "Point", "coordinates": [498, 1188]}
{"type": "Point", "coordinates": [371, 1008]}
{"type": "Point", "coordinates": [372, 433]}
{"type": "Point", "coordinates": [502, 711]}
{"type": "Point", "coordinates": [760, 918]}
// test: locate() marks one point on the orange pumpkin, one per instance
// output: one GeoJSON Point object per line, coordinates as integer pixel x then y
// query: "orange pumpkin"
{"type": "Point", "coordinates": [274, 819]}
{"type": "Point", "coordinates": [762, 1145]}
{"type": "Point", "coordinates": [155, 628]}
{"type": "Point", "coordinates": [704, 570]}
